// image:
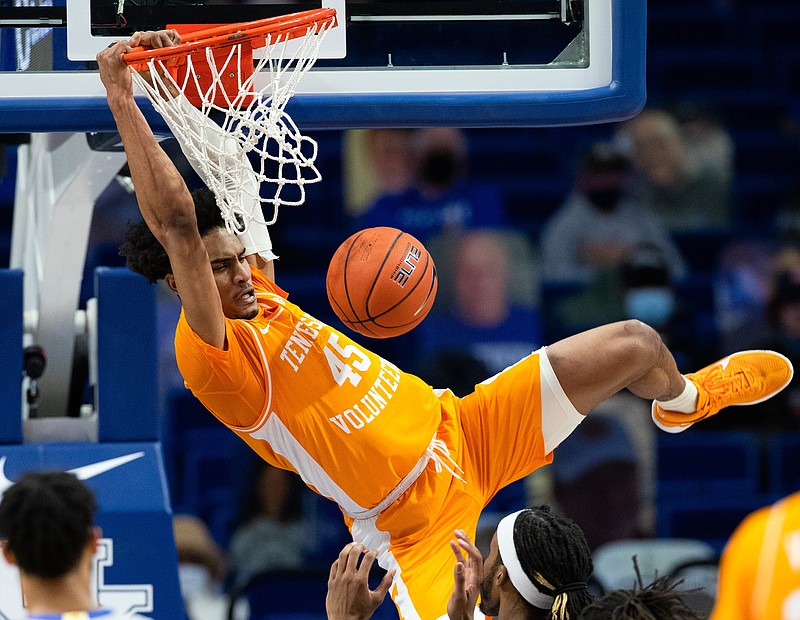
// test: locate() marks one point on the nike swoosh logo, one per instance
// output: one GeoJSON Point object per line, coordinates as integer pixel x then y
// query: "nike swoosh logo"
{"type": "Point", "coordinates": [84, 472]}
{"type": "Point", "coordinates": [264, 330]}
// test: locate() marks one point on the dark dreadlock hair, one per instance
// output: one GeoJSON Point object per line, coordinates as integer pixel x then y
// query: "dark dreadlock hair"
{"type": "Point", "coordinates": [657, 601]}
{"type": "Point", "coordinates": [146, 256]}
{"type": "Point", "coordinates": [46, 519]}
{"type": "Point", "coordinates": [555, 556]}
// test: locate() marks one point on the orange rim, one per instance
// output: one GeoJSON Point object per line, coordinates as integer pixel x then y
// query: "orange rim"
{"type": "Point", "coordinates": [286, 27]}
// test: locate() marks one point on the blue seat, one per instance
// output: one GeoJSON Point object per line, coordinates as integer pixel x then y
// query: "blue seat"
{"type": "Point", "coordinates": [696, 24]}
{"type": "Point", "coordinates": [784, 463]}
{"type": "Point", "coordinates": [215, 463]}
{"type": "Point", "coordinates": [296, 595]}
{"type": "Point", "coordinates": [711, 518]}
{"type": "Point", "coordinates": [703, 464]}
{"type": "Point", "coordinates": [699, 70]}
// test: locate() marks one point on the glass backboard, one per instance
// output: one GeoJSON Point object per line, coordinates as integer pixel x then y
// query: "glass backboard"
{"type": "Point", "coordinates": [389, 63]}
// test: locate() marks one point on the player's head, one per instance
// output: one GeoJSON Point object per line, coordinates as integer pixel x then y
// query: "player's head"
{"type": "Point", "coordinates": [146, 256]}
{"type": "Point", "coordinates": [46, 524]}
{"type": "Point", "coordinates": [544, 558]}
{"type": "Point", "coordinates": [658, 601]}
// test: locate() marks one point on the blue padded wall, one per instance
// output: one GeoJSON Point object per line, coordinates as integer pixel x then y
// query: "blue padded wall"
{"type": "Point", "coordinates": [127, 382]}
{"type": "Point", "coordinates": [136, 566]}
{"type": "Point", "coordinates": [11, 356]}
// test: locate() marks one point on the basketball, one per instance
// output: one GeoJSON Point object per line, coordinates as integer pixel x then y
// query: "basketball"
{"type": "Point", "coordinates": [381, 282]}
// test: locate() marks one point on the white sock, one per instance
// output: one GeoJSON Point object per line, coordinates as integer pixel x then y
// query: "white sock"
{"type": "Point", "coordinates": [686, 402]}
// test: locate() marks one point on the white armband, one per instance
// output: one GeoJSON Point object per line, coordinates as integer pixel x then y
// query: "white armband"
{"type": "Point", "coordinates": [256, 240]}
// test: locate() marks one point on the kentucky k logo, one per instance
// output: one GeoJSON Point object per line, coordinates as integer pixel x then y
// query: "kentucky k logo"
{"type": "Point", "coordinates": [131, 598]}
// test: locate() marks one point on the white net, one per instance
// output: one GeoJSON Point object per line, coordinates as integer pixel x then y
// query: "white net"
{"type": "Point", "coordinates": [240, 140]}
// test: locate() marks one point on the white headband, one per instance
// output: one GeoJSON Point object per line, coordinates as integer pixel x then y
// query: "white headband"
{"type": "Point", "coordinates": [508, 553]}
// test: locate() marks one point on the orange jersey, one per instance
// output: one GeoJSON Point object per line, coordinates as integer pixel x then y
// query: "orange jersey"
{"type": "Point", "coordinates": [375, 439]}
{"type": "Point", "coordinates": [306, 397]}
{"type": "Point", "coordinates": [759, 577]}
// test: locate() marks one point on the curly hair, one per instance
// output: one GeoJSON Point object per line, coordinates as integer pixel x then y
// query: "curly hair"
{"type": "Point", "coordinates": [657, 601]}
{"type": "Point", "coordinates": [555, 556]}
{"type": "Point", "coordinates": [46, 519]}
{"type": "Point", "coordinates": [146, 256]}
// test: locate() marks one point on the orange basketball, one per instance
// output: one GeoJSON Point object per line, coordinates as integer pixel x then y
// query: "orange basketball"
{"type": "Point", "coordinates": [381, 282]}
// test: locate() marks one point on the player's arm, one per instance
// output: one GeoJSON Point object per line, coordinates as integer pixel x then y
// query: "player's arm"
{"type": "Point", "coordinates": [349, 596]}
{"type": "Point", "coordinates": [164, 200]}
{"type": "Point", "coordinates": [267, 267]}
{"type": "Point", "coordinates": [240, 178]}
{"type": "Point", "coordinates": [467, 577]}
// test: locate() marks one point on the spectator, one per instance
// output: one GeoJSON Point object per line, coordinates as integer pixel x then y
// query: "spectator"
{"type": "Point", "coordinates": [707, 141]}
{"type": "Point", "coordinates": [482, 321]}
{"type": "Point", "coordinates": [270, 533]}
{"type": "Point", "coordinates": [47, 531]}
{"type": "Point", "coordinates": [377, 162]}
{"type": "Point", "coordinates": [782, 314]}
{"type": "Point", "coordinates": [586, 243]}
{"type": "Point", "coordinates": [201, 568]}
{"type": "Point", "coordinates": [649, 294]}
{"type": "Point", "coordinates": [599, 224]}
{"type": "Point", "coordinates": [684, 194]}
{"type": "Point", "coordinates": [442, 198]}
{"type": "Point", "coordinates": [741, 292]}
{"type": "Point", "coordinates": [760, 568]}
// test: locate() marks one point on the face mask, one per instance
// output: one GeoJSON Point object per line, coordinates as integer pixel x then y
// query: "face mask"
{"type": "Point", "coordinates": [653, 306]}
{"type": "Point", "coordinates": [604, 199]}
{"type": "Point", "coordinates": [439, 168]}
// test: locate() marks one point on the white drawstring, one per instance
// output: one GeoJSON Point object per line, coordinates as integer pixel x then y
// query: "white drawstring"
{"type": "Point", "coordinates": [436, 450]}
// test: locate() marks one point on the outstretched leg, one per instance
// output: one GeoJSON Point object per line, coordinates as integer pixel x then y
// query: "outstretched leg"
{"type": "Point", "coordinates": [595, 364]}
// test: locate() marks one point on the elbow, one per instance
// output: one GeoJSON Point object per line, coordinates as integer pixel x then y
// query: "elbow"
{"type": "Point", "coordinates": [176, 227]}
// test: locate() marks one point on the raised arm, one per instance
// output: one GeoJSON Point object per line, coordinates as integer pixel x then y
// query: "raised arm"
{"type": "Point", "coordinates": [223, 152]}
{"type": "Point", "coordinates": [467, 578]}
{"type": "Point", "coordinates": [164, 200]}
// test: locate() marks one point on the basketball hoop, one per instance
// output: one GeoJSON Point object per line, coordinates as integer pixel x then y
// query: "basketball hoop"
{"type": "Point", "coordinates": [256, 141]}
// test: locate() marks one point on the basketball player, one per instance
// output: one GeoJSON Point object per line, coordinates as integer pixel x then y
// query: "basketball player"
{"type": "Point", "coordinates": [657, 601]}
{"type": "Point", "coordinates": [47, 531]}
{"type": "Point", "coordinates": [759, 573]}
{"type": "Point", "coordinates": [349, 596]}
{"type": "Point", "coordinates": [537, 569]}
{"type": "Point", "coordinates": [407, 465]}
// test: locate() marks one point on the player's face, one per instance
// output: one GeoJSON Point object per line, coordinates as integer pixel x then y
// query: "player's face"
{"type": "Point", "coordinates": [232, 274]}
{"type": "Point", "coordinates": [490, 601]}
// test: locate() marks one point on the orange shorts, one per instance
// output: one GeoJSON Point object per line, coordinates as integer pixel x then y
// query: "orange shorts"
{"type": "Point", "coordinates": [495, 436]}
